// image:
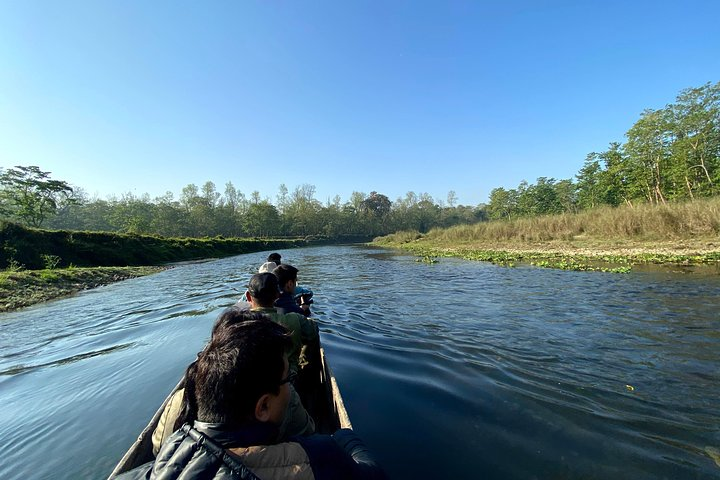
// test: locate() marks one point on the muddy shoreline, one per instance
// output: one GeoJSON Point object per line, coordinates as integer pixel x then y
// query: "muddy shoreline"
{"type": "Point", "coordinates": [28, 287]}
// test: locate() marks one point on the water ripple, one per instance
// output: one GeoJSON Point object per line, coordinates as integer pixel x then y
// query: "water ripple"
{"type": "Point", "coordinates": [19, 369]}
{"type": "Point", "coordinates": [478, 370]}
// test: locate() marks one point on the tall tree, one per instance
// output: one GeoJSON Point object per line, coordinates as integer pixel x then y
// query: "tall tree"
{"type": "Point", "coordinates": [261, 219]}
{"type": "Point", "coordinates": [589, 182]}
{"type": "Point", "coordinates": [426, 213]}
{"type": "Point", "coordinates": [302, 211]}
{"type": "Point", "coordinates": [30, 195]}
{"type": "Point", "coordinates": [210, 194]}
{"type": "Point", "coordinates": [503, 204]}
{"type": "Point", "coordinates": [696, 149]}
{"type": "Point", "coordinates": [566, 195]}
{"type": "Point", "coordinates": [282, 198]}
{"type": "Point", "coordinates": [169, 219]}
{"type": "Point", "coordinates": [648, 149]}
{"type": "Point", "coordinates": [376, 208]}
{"type": "Point", "coordinates": [618, 181]}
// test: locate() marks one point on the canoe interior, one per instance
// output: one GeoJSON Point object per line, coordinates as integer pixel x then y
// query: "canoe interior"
{"type": "Point", "coordinates": [318, 390]}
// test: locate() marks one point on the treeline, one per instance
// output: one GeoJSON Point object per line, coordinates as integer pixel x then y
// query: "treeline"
{"type": "Point", "coordinates": [29, 197]}
{"type": "Point", "coordinates": [669, 154]}
{"type": "Point", "coordinates": [206, 212]}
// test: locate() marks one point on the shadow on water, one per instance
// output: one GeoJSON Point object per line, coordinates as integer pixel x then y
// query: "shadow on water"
{"type": "Point", "coordinates": [20, 369]}
{"type": "Point", "coordinates": [451, 370]}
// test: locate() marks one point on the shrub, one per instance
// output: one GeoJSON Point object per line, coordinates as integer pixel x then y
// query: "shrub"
{"type": "Point", "coordinates": [51, 261]}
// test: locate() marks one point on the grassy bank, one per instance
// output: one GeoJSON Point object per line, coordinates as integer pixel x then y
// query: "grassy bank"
{"type": "Point", "coordinates": [23, 288]}
{"type": "Point", "coordinates": [43, 264]}
{"type": "Point", "coordinates": [608, 239]}
{"type": "Point", "coordinates": [34, 249]}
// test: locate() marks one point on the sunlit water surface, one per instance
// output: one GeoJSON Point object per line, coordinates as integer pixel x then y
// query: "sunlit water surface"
{"type": "Point", "coordinates": [451, 370]}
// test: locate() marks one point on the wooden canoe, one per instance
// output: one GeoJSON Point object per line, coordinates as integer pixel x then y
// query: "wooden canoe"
{"type": "Point", "coordinates": [317, 388]}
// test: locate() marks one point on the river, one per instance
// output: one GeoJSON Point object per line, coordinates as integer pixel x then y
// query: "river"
{"type": "Point", "coordinates": [457, 369]}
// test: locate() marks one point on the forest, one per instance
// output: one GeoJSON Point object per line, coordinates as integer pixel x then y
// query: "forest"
{"type": "Point", "coordinates": [29, 197]}
{"type": "Point", "coordinates": [671, 154]}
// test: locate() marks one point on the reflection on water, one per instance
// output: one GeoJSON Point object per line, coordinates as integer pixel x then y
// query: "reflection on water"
{"type": "Point", "coordinates": [456, 369]}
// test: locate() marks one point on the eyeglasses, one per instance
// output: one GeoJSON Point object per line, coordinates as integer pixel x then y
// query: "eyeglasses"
{"type": "Point", "coordinates": [289, 379]}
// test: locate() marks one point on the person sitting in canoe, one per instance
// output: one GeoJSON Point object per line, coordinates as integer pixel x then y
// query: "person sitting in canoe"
{"type": "Point", "coordinates": [275, 257]}
{"type": "Point", "coordinates": [237, 393]}
{"type": "Point", "coordinates": [301, 294]}
{"type": "Point", "coordinates": [298, 421]}
{"type": "Point", "coordinates": [264, 290]}
{"type": "Point", "coordinates": [288, 300]}
{"type": "Point", "coordinates": [293, 299]}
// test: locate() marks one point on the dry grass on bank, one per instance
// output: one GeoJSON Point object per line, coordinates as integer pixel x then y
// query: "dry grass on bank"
{"type": "Point", "coordinates": [684, 226]}
{"type": "Point", "coordinates": [700, 218]}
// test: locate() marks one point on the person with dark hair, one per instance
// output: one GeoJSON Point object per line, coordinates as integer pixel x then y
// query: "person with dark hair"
{"type": "Point", "coordinates": [263, 291]}
{"type": "Point", "coordinates": [178, 411]}
{"type": "Point", "coordinates": [287, 278]}
{"type": "Point", "coordinates": [233, 315]}
{"type": "Point", "coordinates": [265, 267]}
{"type": "Point", "coordinates": [240, 386]}
{"type": "Point", "coordinates": [274, 257]}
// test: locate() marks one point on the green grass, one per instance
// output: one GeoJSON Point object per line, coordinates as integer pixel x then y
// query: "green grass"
{"type": "Point", "coordinates": [34, 249]}
{"type": "Point", "coordinates": [43, 264]}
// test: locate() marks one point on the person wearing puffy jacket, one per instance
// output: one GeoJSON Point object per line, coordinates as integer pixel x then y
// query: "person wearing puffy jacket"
{"type": "Point", "coordinates": [237, 393]}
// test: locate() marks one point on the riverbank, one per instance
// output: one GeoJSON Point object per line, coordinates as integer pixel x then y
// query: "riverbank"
{"type": "Point", "coordinates": [44, 264]}
{"type": "Point", "coordinates": [583, 254]}
{"type": "Point", "coordinates": [24, 288]}
{"type": "Point", "coordinates": [685, 234]}
{"type": "Point", "coordinates": [34, 249]}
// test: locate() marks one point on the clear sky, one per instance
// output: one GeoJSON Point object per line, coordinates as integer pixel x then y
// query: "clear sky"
{"type": "Point", "coordinates": [392, 96]}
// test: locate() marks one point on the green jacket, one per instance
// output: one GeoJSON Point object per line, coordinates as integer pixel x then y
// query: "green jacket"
{"type": "Point", "coordinates": [303, 331]}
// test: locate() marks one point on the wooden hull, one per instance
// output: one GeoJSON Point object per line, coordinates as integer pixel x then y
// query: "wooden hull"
{"type": "Point", "coordinates": [317, 387]}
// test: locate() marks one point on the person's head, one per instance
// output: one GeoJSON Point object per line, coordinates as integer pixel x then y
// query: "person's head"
{"type": "Point", "coordinates": [232, 316]}
{"type": "Point", "coordinates": [228, 318]}
{"type": "Point", "coordinates": [263, 289]}
{"type": "Point", "coordinates": [274, 257]}
{"type": "Point", "coordinates": [241, 376]}
{"type": "Point", "coordinates": [285, 274]}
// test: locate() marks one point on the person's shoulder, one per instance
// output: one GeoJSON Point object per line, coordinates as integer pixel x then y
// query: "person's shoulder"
{"type": "Point", "coordinates": [280, 460]}
{"type": "Point", "coordinates": [291, 320]}
{"type": "Point", "coordinates": [173, 457]}
{"type": "Point", "coordinates": [288, 305]}
{"type": "Point", "coordinates": [294, 316]}
{"type": "Point", "coordinates": [243, 305]}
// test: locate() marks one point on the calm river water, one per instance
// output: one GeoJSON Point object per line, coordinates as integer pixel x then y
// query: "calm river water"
{"type": "Point", "coordinates": [453, 370]}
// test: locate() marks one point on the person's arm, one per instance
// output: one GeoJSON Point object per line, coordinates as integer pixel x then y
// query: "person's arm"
{"type": "Point", "coordinates": [341, 455]}
{"type": "Point", "coordinates": [364, 465]}
{"type": "Point", "coordinates": [302, 291]}
{"type": "Point", "coordinates": [167, 420]}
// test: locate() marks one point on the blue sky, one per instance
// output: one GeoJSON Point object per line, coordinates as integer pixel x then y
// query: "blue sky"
{"type": "Point", "coordinates": [391, 96]}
